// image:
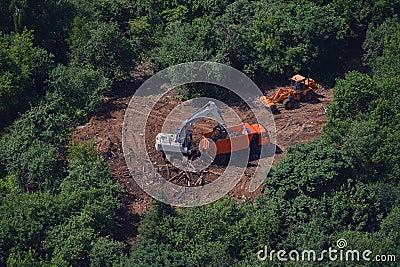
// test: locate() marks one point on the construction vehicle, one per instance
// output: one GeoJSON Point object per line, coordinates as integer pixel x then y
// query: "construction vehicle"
{"type": "Point", "coordinates": [182, 141]}
{"type": "Point", "coordinates": [301, 89]}
{"type": "Point", "coordinates": [240, 136]}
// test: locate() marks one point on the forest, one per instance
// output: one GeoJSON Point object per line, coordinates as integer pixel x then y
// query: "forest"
{"type": "Point", "coordinates": [59, 58]}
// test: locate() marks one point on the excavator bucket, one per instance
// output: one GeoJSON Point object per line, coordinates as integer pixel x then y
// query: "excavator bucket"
{"type": "Point", "coordinates": [266, 101]}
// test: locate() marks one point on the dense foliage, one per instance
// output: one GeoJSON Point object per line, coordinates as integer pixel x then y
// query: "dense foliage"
{"type": "Point", "coordinates": [58, 58]}
{"type": "Point", "coordinates": [23, 67]}
{"type": "Point", "coordinates": [63, 228]}
{"type": "Point", "coordinates": [263, 39]}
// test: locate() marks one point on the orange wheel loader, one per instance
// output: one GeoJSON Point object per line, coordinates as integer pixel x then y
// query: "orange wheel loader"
{"type": "Point", "coordinates": [301, 89]}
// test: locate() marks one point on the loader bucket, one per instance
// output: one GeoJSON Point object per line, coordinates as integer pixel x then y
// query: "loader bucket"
{"type": "Point", "coordinates": [266, 101]}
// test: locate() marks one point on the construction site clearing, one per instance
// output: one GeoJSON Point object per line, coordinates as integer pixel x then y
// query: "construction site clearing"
{"type": "Point", "coordinates": [302, 123]}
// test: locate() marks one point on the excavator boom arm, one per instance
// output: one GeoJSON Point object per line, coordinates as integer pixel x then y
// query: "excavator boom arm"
{"type": "Point", "coordinates": [209, 109]}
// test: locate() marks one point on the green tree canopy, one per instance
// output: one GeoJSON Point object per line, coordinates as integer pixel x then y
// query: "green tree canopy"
{"type": "Point", "coordinates": [23, 67]}
{"type": "Point", "coordinates": [101, 46]}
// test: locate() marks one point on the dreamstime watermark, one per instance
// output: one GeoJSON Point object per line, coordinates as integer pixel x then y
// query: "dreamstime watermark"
{"type": "Point", "coordinates": [135, 138]}
{"type": "Point", "coordinates": [331, 254]}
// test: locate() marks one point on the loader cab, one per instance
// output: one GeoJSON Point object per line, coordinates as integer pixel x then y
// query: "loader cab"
{"type": "Point", "coordinates": [298, 82]}
{"type": "Point", "coordinates": [296, 86]}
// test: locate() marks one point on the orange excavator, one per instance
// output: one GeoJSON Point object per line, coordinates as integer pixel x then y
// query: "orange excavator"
{"type": "Point", "coordinates": [301, 89]}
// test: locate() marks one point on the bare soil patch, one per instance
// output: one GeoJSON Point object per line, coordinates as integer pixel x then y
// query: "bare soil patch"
{"type": "Point", "coordinates": [299, 125]}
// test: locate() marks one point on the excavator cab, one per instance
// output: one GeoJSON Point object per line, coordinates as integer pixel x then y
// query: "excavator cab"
{"type": "Point", "coordinates": [182, 141]}
{"type": "Point", "coordinates": [219, 132]}
{"type": "Point", "coordinates": [188, 141]}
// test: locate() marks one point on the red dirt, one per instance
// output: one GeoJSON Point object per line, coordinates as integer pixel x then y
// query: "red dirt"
{"type": "Point", "coordinates": [293, 126]}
